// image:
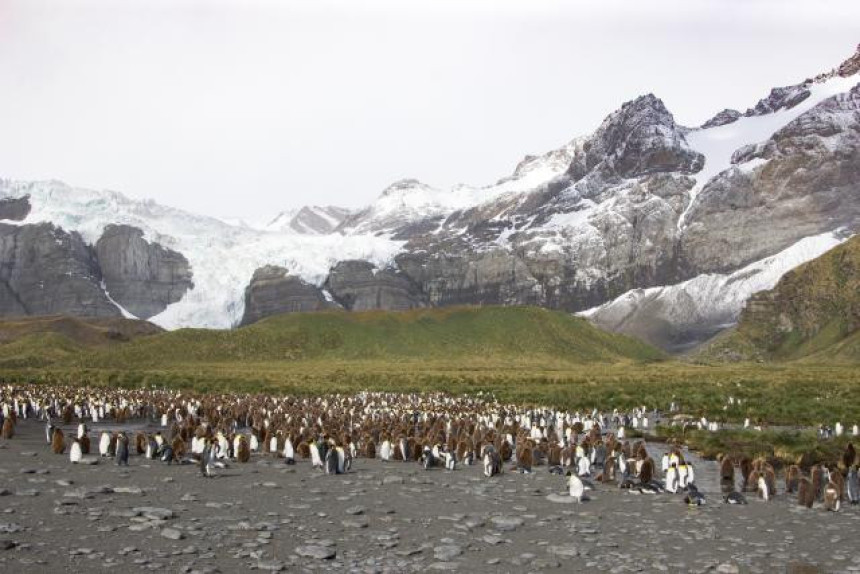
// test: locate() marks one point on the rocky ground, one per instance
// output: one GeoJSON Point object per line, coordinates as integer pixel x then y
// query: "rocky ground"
{"type": "Point", "coordinates": [384, 517]}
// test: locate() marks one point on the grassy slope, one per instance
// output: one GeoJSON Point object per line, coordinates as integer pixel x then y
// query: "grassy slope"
{"type": "Point", "coordinates": [492, 333]}
{"type": "Point", "coordinates": [41, 341]}
{"type": "Point", "coordinates": [524, 355]}
{"type": "Point", "coordinates": [812, 314]}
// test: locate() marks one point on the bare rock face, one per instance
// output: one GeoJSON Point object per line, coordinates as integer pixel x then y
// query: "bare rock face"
{"type": "Point", "coordinates": [800, 182]}
{"type": "Point", "coordinates": [639, 139]}
{"type": "Point", "coordinates": [46, 271]}
{"type": "Point", "coordinates": [141, 276]}
{"type": "Point", "coordinates": [273, 291]}
{"type": "Point", "coordinates": [15, 208]}
{"type": "Point", "coordinates": [727, 116]}
{"type": "Point", "coordinates": [360, 286]}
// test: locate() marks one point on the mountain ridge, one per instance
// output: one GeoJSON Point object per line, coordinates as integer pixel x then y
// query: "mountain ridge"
{"type": "Point", "coordinates": [641, 203]}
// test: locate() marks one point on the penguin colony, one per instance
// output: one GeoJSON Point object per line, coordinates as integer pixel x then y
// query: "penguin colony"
{"type": "Point", "coordinates": [430, 429]}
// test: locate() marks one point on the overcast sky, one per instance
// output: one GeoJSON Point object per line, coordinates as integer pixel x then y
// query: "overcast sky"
{"type": "Point", "coordinates": [243, 108]}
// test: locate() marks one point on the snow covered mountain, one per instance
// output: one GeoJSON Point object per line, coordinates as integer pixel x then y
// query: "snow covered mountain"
{"type": "Point", "coordinates": [310, 219]}
{"type": "Point", "coordinates": [645, 226]}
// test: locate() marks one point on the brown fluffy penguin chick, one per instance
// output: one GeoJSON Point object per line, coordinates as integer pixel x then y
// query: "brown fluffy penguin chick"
{"type": "Point", "coordinates": [746, 471]}
{"type": "Point", "coordinates": [506, 452]}
{"type": "Point", "coordinates": [525, 459]}
{"type": "Point", "coordinates": [727, 469]}
{"type": "Point", "coordinates": [792, 478]}
{"type": "Point", "coordinates": [8, 428]}
{"type": "Point", "coordinates": [244, 452]}
{"type": "Point", "coordinates": [832, 497]}
{"type": "Point", "coordinates": [84, 441]}
{"type": "Point", "coordinates": [58, 444]}
{"type": "Point", "coordinates": [554, 455]}
{"type": "Point", "coordinates": [848, 457]}
{"type": "Point", "coordinates": [304, 450]}
{"type": "Point", "coordinates": [370, 449]}
{"type": "Point", "coordinates": [178, 446]}
{"type": "Point", "coordinates": [770, 480]}
{"type": "Point", "coordinates": [805, 493]}
{"type": "Point", "coordinates": [646, 473]}
{"type": "Point", "coordinates": [140, 442]}
{"type": "Point", "coordinates": [608, 474]}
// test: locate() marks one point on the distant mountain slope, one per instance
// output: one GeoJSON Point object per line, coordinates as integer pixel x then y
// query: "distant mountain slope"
{"type": "Point", "coordinates": [667, 227]}
{"type": "Point", "coordinates": [813, 313]}
{"type": "Point", "coordinates": [481, 333]}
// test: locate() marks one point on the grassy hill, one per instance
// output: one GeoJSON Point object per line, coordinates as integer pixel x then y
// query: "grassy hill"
{"type": "Point", "coordinates": [524, 355]}
{"type": "Point", "coordinates": [488, 333]}
{"type": "Point", "coordinates": [813, 314]}
{"type": "Point", "coordinates": [39, 341]}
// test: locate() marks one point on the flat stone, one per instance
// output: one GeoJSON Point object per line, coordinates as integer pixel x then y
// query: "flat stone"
{"type": "Point", "coordinates": [154, 513]}
{"type": "Point", "coordinates": [567, 550]}
{"type": "Point", "coordinates": [447, 552]}
{"type": "Point", "coordinates": [172, 534]}
{"type": "Point", "coordinates": [506, 523]}
{"type": "Point", "coordinates": [317, 552]}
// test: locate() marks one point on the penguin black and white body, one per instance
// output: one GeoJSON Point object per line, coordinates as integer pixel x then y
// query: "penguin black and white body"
{"type": "Point", "coordinates": [385, 451]}
{"type": "Point", "coordinates": [403, 447]}
{"type": "Point", "coordinates": [673, 481]}
{"type": "Point", "coordinates": [427, 459]}
{"type": "Point", "coordinates": [763, 489]}
{"type": "Point", "coordinates": [166, 454]}
{"type": "Point", "coordinates": [735, 497]}
{"type": "Point", "coordinates": [694, 497]}
{"type": "Point", "coordinates": [316, 459]}
{"type": "Point", "coordinates": [75, 453]}
{"type": "Point", "coordinates": [151, 449]}
{"type": "Point", "coordinates": [49, 430]}
{"type": "Point", "coordinates": [122, 449]}
{"type": "Point", "coordinates": [104, 444]}
{"type": "Point", "coordinates": [576, 487]}
{"type": "Point", "coordinates": [331, 461]}
{"type": "Point", "coordinates": [852, 486]}
{"type": "Point", "coordinates": [289, 451]}
{"type": "Point", "coordinates": [492, 462]}
{"type": "Point", "coordinates": [450, 459]}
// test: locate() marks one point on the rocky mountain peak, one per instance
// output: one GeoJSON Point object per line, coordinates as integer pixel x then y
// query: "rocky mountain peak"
{"type": "Point", "coordinates": [640, 138]}
{"type": "Point", "coordinates": [850, 66]}
{"type": "Point", "coordinates": [403, 186]}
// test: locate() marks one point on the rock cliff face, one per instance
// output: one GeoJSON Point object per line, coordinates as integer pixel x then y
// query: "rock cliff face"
{"type": "Point", "coordinates": [141, 276]}
{"type": "Point", "coordinates": [360, 286]}
{"type": "Point", "coordinates": [273, 291]}
{"type": "Point", "coordinates": [46, 271]}
{"type": "Point", "coordinates": [14, 208]}
{"type": "Point", "coordinates": [800, 182]}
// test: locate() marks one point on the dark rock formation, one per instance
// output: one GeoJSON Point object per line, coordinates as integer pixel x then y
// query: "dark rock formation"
{"type": "Point", "coordinates": [15, 208]}
{"type": "Point", "coordinates": [727, 116]}
{"type": "Point", "coordinates": [639, 139]}
{"type": "Point", "coordinates": [46, 271]}
{"type": "Point", "coordinates": [360, 286]}
{"type": "Point", "coordinates": [273, 291]}
{"type": "Point", "coordinates": [141, 276]}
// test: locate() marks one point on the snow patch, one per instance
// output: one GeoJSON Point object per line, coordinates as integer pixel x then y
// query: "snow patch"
{"type": "Point", "coordinates": [718, 143]}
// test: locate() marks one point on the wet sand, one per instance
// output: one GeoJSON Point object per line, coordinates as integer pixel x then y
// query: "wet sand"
{"type": "Point", "coordinates": [384, 517]}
